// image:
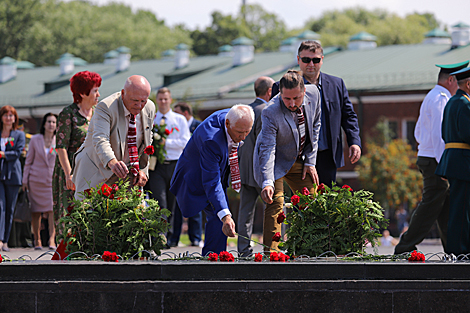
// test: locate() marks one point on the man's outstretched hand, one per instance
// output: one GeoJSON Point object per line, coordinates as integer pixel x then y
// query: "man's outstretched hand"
{"type": "Point", "coordinates": [229, 226]}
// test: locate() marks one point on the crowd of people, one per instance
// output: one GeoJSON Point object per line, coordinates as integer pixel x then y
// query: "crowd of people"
{"type": "Point", "coordinates": [291, 133]}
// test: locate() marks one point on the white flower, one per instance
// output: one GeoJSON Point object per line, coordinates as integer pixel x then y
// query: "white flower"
{"type": "Point", "coordinates": [288, 205]}
{"type": "Point", "coordinates": [156, 136]}
{"type": "Point", "coordinates": [162, 122]}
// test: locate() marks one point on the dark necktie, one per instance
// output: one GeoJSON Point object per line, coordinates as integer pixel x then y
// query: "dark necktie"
{"type": "Point", "coordinates": [301, 121]}
{"type": "Point", "coordinates": [132, 146]}
{"type": "Point", "coordinates": [234, 169]}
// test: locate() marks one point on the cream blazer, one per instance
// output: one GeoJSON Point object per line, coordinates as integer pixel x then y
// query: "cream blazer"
{"type": "Point", "coordinates": [106, 139]}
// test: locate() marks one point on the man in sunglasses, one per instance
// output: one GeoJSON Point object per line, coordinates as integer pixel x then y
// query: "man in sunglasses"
{"type": "Point", "coordinates": [337, 113]}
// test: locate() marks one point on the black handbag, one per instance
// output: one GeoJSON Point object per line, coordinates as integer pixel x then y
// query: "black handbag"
{"type": "Point", "coordinates": [22, 208]}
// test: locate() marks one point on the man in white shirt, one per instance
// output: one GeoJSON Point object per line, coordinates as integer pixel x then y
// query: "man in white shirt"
{"type": "Point", "coordinates": [435, 200]}
{"type": "Point", "coordinates": [159, 178]}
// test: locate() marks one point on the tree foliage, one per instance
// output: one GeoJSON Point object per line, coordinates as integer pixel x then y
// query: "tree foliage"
{"type": "Point", "coordinates": [336, 26]}
{"type": "Point", "coordinates": [89, 31]}
{"type": "Point", "coordinates": [388, 170]}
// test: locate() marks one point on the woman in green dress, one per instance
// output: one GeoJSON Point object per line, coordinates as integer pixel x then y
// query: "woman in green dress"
{"type": "Point", "coordinates": [72, 127]}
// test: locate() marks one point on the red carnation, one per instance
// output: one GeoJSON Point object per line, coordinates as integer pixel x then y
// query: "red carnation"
{"type": "Point", "coordinates": [302, 207]}
{"type": "Point", "coordinates": [88, 192]}
{"type": "Point", "coordinates": [213, 257]}
{"type": "Point", "coordinates": [305, 191]}
{"type": "Point", "coordinates": [281, 217]}
{"type": "Point", "coordinates": [321, 188]}
{"type": "Point", "coordinates": [277, 237]}
{"type": "Point", "coordinates": [105, 190]}
{"type": "Point", "coordinates": [69, 208]}
{"type": "Point", "coordinates": [295, 199]}
{"type": "Point", "coordinates": [274, 256]}
{"type": "Point", "coordinates": [258, 257]}
{"type": "Point", "coordinates": [416, 256]}
{"type": "Point", "coordinates": [347, 187]}
{"type": "Point", "coordinates": [283, 257]}
{"type": "Point", "coordinates": [110, 257]}
{"type": "Point", "coordinates": [1, 259]}
{"type": "Point", "coordinates": [167, 132]}
{"type": "Point", "coordinates": [114, 188]}
{"type": "Point", "coordinates": [225, 256]}
{"type": "Point", "coordinates": [149, 150]}
{"type": "Point", "coordinates": [176, 128]}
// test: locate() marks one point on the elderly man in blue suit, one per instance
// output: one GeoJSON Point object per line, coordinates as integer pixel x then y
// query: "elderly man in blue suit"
{"type": "Point", "coordinates": [200, 179]}
{"type": "Point", "coordinates": [337, 113]}
{"type": "Point", "coordinates": [286, 147]}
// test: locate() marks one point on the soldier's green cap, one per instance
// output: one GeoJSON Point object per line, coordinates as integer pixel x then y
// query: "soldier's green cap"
{"type": "Point", "coordinates": [462, 74]}
{"type": "Point", "coordinates": [449, 68]}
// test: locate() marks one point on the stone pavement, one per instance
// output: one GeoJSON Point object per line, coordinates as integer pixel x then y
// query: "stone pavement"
{"type": "Point", "coordinates": [427, 246]}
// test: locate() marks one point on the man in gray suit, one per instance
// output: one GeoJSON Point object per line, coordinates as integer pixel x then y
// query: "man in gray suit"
{"type": "Point", "coordinates": [250, 190]}
{"type": "Point", "coordinates": [286, 148]}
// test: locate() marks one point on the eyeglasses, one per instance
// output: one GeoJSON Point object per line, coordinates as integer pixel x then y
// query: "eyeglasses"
{"type": "Point", "coordinates": [307, 60]}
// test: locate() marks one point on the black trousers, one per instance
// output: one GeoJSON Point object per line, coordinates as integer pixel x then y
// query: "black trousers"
{"type": "Point", "coordinates": [433, 206]}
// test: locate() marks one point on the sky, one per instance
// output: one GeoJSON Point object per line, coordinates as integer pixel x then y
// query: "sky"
{"type": "Point", "coordinates": [197, 13]}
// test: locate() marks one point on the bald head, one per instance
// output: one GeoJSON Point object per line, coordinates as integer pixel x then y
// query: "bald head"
{"type": "Point", "coordinates": [135, 93]}
{"type": "Point", "coordinates": [263, 87]}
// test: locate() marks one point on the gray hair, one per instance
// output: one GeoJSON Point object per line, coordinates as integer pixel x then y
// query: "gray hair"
{"type": "Point", "coordinates": [239, 111]}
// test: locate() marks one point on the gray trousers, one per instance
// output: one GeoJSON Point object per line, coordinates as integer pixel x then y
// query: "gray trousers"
{"type": "Point", "coordinates": [433, 206]}
{"type": "Point", "coordinates": [246, 216]}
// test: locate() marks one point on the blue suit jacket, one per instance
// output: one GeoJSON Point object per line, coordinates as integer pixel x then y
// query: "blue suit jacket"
{"type": "Point", "coordinates": [339, 113]}
{"type": "Point", "coordinates": [10, 166]}
{"type": "Point", "coordinates": [201, 174]}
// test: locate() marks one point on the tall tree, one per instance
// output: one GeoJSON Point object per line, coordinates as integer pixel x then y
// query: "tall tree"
{"type": "Point", "coordinates": [336, 26]}
{"type": "Point", "coordinates": [16, 19]}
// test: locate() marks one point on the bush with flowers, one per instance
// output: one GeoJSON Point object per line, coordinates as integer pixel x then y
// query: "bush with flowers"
{"type": "Point", "coordinates": [335, 219]}
{"type": "Point", "coordinates": [114, 218]}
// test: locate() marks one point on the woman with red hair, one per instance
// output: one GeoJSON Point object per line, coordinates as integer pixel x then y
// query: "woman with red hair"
{"type": "Point", "coordinates": [11, 145]}
{"type": "Point", "coordinates": [72, 127]}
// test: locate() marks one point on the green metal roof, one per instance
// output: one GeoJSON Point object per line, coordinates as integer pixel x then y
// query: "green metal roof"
{"type": "Point", "coordinates": [437, 32]}
{"type": "Point", "coordinates": [461, 25]}
{"type": "Point", "coordinates": [182, 46]}
{"type": "Point", "coordinates": [363, 36]}
{"type": "Point", "coordinates": [168, 53]}
{"type": "Point", "coordinates": [123, 49]}
{"type": "Point", "coordinates": [225, 48]}
{"type": "Point", "coordinates": [111, 54]}
{"type": "Point", "coordinates": [308, 34]}
{"type": "Point", "coordinates": [7, 60]}
{"type": "Point", "coordinates": [22, 65]}
{"type": "Point", "coordinates": [242, 41]}
{"type": "Point", "coordinates": [289, 41]}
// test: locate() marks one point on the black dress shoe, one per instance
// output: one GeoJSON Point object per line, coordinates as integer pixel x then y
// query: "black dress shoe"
{"type": "Point", "coordinates": [173, 244]}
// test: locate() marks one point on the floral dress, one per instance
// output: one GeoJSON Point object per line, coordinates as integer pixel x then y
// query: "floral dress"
{"type": "Point", "coordinates": [71, 132]}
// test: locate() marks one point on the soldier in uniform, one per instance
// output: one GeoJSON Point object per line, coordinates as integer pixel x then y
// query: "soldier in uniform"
{"type": "Point", "coordinates": [455, 164]}
{"type": "Point", "coordinates": [435, 200]}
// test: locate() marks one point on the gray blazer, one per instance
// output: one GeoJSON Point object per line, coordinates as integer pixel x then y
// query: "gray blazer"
{"type": "Point", "coordinates": [277, 145]}
{"type": "Point", "coordinates": [245, 152]}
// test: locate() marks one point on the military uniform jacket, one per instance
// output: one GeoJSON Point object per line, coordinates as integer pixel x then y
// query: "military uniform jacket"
{"type": "Point", "coordinates": [455, 163]}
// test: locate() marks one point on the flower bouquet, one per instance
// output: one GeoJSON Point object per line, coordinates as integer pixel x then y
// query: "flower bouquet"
{"type": "Point", "coordinates": [160, 133]}
{"type": "Point", "coordinates": [115, 218]}
{"type": "Point", "coordinates": [333, 219]}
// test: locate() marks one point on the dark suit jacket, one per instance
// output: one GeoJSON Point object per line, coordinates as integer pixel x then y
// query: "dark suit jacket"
{"type": "Point", "coordinates": [201, 174]}
{"type": "Point", "coordinates": [195, 123]}
{"type": "Point", "coordinates": [339, 114]}
{"type": "Point", "coordinates": [245, 152]}
{"type": "Point", "coordinates": [10, 166]}
{"type": "Point", "coordinates": [455, 163]}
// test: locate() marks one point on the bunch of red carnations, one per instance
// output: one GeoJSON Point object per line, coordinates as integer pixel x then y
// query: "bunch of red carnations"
{"type": "Point", "coordinates": [223, 256]}
{"type": "Point", "coordinates": [416, 256]}
{"type": "Point", "coordinates": [278, 257]}
{"type": "Point", "coordinates": [110, 256]}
